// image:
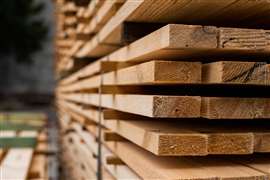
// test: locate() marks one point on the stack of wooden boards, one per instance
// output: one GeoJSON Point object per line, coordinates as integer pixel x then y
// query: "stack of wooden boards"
{"type": "Point", "coordinates": [174, 86]}
{"type": "Point", "coordinates": [23, 146]}
{"type": "Point", "coordinates": [77, 23]}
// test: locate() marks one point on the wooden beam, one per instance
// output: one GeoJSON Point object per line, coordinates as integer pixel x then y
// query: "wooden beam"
{"type": "Point", "coordinates": [149, 73]}
{"type": "Point", "coordinates": [92, 8]}
{"type": "Point", "coordinates": [103, 15]}
{"type": "Point", "coordinates": [38, 169]}
{"type": "Point", "coordinates": [180, 139]}
{"type": "Point", "coordinates": [231, 72]}
{"type": "Point", "coordinates": [163, 137]}
{"type": "Point", "coordinates": [91, 147]}
{"type": "Point", "coordinates": [176, 41]}
{"type": "Point", "coordinates": [174, 106]}
{"type": "Point", "coordinates": [150, 166]}
{"type": "Point", "coordinates": [92, 69]}
{"type": "Point", "coordinates": [235, 108]}
{"type": "Point", "coordinates": [118, 171]}
{"type": "Point", "coordinates": [156, 72]}
{"type": "Point", "coordinates": [146, 105]}
{"type": "Point", "coordinates": [216, 42]}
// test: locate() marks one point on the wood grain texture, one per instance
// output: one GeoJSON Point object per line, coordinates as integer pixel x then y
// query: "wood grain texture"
{"type": "Point", "coordinates": [153, 167]}
{"type": "Point", "coordinates": [230, 72]}
{"type": "Point", "coordinates": [149, 73]}
{"type": "Point", "coordinates": [184, 12]}
{"type": "Point", "coordinates": [164, 138]}
{"type": "Point", "coordinates": [235, 108]}
{"type": "Point", "coordinates": [180, 139]}
{"type": "Point", "coordinates": [190, 41]}
{"type": "Point", "coordinates": [120, 171]}
{"type": "Point", "coordinates": [146, 105]}
{"type": "Point", "coordinates": [180, 106]}
{"type": "Point", "coordinates": [156, 72]}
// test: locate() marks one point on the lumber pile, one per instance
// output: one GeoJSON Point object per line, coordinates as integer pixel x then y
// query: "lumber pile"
{"type": "Point", "coordinates": [23, 146]}
{"type": "Point", "coordinates": [166, 90]}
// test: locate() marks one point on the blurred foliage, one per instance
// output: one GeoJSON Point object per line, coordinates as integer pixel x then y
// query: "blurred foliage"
{"type": "Point", "coordinates": [22, 30]}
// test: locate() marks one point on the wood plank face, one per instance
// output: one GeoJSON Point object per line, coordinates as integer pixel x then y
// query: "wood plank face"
{"type": "Point", "coordinates": [153, 167]}
{"type": "Point", "coordinates": [178, 138]}
{"type": "Point", "coordinates": [235, 108]}
{"type": "Point", "coordinates": [174, 72]}
{"type": "Point", "coordinates": [194, 12]}
{"type": "Point", "coordinates": [156, 72]}
{"type": "Point", "coordinates": [22, 157]}
{"type": "Point", "coordinates": [190, 41]}
{"type": "Point", "coordinates": [168, 12]}
{"type": "Point", "coordinates": [146, 105]}
{"type": "Point", "coordinates": [236, 72]}
{"type": "Point", "coordinates": [154, 106]}
{"type": "Point", "coordinates": [181, 106]}
{"type": "Point", "coordinates": [149, 73]}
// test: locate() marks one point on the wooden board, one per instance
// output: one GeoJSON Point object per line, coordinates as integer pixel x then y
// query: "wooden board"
{"type": "Point", "coordinates": [163, 137]}
{"type": "Point", "coordinates": [235, 108]}
{"type": "Point", "coordinates": [183, 139]}
{"type": "Point", "coordinates": [168, 12]}
{"type": "Point", "coordinates": [87, 146]}
{"type": "Point", "coordinates": [103, 15]}
{"type": "Point", "coordinates": [179, 106]}
{"type": "Point", "coordinates": [118, 171]}
{"type": "Point", "coordinates": [146, 105]}
{"type": "Point", "coordinates": [92, 8]}
{"type": "Point", "coordinates": [152, 167]}
{"type": "Point", "coordinates": [175, 41]}
{"type": "Point", "coordinates": [38, 169]}
{"type": "Point", "coordinates": [149, 73]}
{"type": "Point", "coordinates": [231, 72]}
{"type": "Point", "coordinates": [22, 157]}
{"type": "Point", "coordinates": [174, 72]}
{"type": "Point", "coordinates": [175, 168]}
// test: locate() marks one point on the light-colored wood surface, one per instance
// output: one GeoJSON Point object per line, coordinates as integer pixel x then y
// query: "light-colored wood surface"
{"type": "Point", "coordinates": [149, 73]}
{"type": "Point", "coordinates": [89, 145]}
{"type": "Point", "coordinates": [38, 169]}
{"type": "Point", "coordinates": [18, 170]}
{"type": "Point", "coordinates": [174, 72]}
{"type": "Point", "coordinates": [146, 105]}
{"type": "Point", "coordinates": [259, 162]}
{"type": "Point", "coordinates": [175, 41]}
{"type": "Point", "coordinates": [230, 72]}
{"type": "Point", "coordinates": [180, 106]}
{"type": "Point", "coordinates": [165, 138]}
{"type": "Point", "coordinates": [152, 167]}
{"type": "Point", "coordinates": [185, 12]}
{"type": "Point", "coordinates": [235, 108]}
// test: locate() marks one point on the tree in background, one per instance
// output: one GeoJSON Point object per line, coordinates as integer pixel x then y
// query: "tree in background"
{"type": "Point", "coordinates": [22, 30]}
